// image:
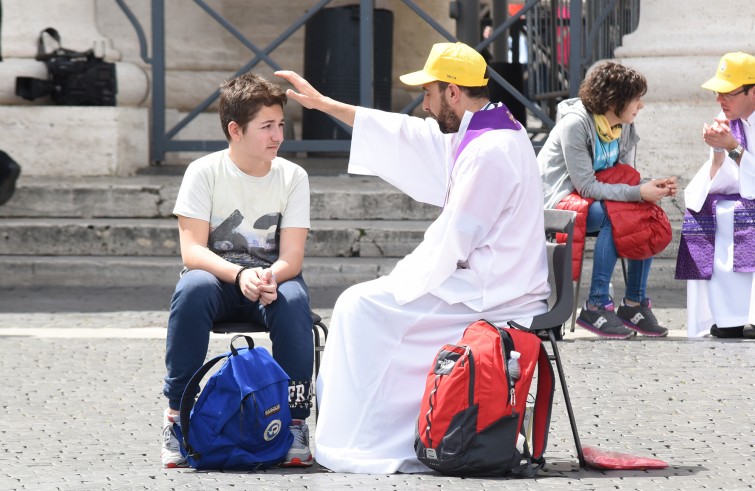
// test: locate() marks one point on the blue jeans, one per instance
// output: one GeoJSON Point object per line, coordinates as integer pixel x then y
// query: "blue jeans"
{"type": "Point", "coordinates": [201, 298]}
{"type": "Point", "coordinates": [604, 261]}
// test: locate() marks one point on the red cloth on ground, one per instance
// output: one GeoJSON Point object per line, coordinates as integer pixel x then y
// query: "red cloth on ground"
{"type": "Point", "coordinates": [607, 459]}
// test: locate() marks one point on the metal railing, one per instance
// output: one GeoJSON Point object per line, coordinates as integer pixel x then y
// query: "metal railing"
{"type": "Point", "coordinates": [563, 38]}
{"type": "Point", "coordinates": [560, 50]}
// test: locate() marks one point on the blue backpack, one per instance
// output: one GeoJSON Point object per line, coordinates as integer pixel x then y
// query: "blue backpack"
{"type": "Point", "coordinates": [241, 419]}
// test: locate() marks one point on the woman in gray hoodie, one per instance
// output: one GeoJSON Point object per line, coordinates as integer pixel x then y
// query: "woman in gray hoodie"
{"type": "Point", "coordinates": [593, 133]}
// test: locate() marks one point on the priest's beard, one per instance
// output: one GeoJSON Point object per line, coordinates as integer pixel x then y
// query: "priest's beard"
{"type": "Point", "coordinates": [447, 120]}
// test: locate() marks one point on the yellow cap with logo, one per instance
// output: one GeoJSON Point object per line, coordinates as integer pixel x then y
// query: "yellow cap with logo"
{"type": "Point", "coordinates": [454, 63]}
{"type": "Point", "coordinates": [734, 70]}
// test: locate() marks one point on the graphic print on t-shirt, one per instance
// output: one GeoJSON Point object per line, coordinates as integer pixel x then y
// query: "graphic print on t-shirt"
{"type": "Point", "coordinates": [255, 245]}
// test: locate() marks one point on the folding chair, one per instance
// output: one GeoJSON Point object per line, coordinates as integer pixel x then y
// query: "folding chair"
{"type": "Point", "coordinates": [318, 328]}
{"type": "Point", "coordinates": [560, 302]}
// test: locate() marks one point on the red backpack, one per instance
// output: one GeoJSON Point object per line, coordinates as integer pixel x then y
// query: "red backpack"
{"type": "Point", "coordinates": [472, 412]}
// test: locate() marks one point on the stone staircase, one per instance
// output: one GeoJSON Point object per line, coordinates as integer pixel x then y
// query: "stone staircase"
{"type": "Point", "coordinates": [119, 231]}
{"type": "Point", "coordinates": [102, 232]}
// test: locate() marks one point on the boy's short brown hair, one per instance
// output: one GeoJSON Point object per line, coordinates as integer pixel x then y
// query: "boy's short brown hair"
{"type": "Point", "coordinates": [242, 97]}
{"type": "Point", "coordinates": [611, 86]}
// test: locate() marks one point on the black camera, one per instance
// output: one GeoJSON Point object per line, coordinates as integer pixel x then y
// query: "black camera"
{"type": "Point", "coordinates": [75, 78]}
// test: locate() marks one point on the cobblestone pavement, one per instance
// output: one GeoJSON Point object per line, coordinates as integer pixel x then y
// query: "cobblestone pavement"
{"type": "Point", "coordinates": [81, 410]}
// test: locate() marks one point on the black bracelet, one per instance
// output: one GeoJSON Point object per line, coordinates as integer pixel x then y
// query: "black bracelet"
{"type": "Point", "coordinates": [238, 275]}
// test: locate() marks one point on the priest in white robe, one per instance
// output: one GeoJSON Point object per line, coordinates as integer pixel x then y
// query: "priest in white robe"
{"type": "Point", "coordinates": [717, 250]}
{"type": "Point", "coordinates": [484, 256]}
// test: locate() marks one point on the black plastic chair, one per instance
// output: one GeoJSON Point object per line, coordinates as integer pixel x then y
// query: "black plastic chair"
{"type": "Point", "coordinates": [560, 304]}
{"type": "Point", "coordinates": [319, 332]}
{"type": "Point", "coordinates": [559, 273]}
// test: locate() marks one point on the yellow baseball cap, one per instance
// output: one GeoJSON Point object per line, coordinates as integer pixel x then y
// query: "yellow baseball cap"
{"type": "Point", "coordinates": [455, 63]}
{"type": "Point", "coordinates": [734, 70]}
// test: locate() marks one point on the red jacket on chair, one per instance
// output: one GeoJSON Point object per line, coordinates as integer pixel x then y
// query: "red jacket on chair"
{"type": "Point", "coordinates": [640, 229]}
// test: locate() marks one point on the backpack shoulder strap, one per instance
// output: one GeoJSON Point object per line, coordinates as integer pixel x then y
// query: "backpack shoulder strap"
{"type": "Point", "coordinates": [543, 406]}
{"type": "Point", "coordinates": [187, 400]}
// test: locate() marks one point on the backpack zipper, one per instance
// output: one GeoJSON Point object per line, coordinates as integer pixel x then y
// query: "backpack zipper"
{"type": "Point", "coordinates": [507, 345]}
{"type": "Point", "coordinates": [241, 410]}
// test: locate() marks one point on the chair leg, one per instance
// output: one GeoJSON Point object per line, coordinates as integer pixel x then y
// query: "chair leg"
{"type": "Point", "coordinates": [319, 349]}
{"type": "Point", "coordinates": [567, 400]}
{"type": "Point", "coordinates": [316, 334]}
{"type": "Point", "coordinates": [575, 306]}
{"type": "Point", "coordinates": [319, 345]}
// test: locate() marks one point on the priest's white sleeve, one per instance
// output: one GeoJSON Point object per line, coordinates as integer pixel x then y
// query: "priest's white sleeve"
{"type": "Point", "coordinates": [407, 152]}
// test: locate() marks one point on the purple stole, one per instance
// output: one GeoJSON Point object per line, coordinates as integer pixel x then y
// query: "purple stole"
{"type": "Point", "coordinates": [695, 258]}
{"type": "Point", "coordinates": [697, 246]}
{"type": "Point", "coordinates": [738, 132]}
{"type": "Point", "coordinates": [499, 118]}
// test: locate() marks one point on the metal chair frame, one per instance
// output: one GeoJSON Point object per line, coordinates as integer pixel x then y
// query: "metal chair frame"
{"type": "Point", "coordinates": [319, 332]}
{"type": "Point", "coordinates": [560, 304]}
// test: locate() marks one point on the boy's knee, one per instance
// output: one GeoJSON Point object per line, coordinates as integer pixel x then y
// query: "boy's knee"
{"type": "Point", "coordinates": [196, 281]}
{"type": "Point", "coordinates": [293, 294]}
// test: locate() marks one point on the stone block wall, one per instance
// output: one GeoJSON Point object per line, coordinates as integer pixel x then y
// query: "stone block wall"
{"type": "Point", "coordinates": [199, 55]}
{"type": "Point", "coordinates": [677, 48]}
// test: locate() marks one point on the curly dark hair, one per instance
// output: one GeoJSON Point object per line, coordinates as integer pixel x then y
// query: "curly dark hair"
{"type": "Point", "coordinates": [611, 86]}
{"type": "Point", "coordinates": [242, 97]}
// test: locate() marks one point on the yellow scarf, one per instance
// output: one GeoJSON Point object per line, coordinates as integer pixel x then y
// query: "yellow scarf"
{"type": "Point", "coordinates": [606, 132]}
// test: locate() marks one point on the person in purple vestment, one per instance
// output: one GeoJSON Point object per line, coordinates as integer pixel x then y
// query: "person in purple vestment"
{"type": "Point", "coordinates": [717, 248]}
{"type": "Point", "coordinates": [484, 256]}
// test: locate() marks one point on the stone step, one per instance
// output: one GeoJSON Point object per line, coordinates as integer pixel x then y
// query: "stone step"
{"type": "Point", "coordinates": [674, 208]}
{"type": "Point", "coordinates": [159, 237]}
{"type": "Point", "coordinates": [120, 231]}
{"type": "Point", "coordinates": [137, 271]}
{"type": "Point", "coordinates": [153, 196]}
{"type": "Point", "coordinates": [364, 238]}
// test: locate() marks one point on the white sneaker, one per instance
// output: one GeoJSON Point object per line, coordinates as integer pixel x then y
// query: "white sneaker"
{"type": "Point", "coordinates": [299, 455]}
{"type": "Point", "coordinates": [171, 454]}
